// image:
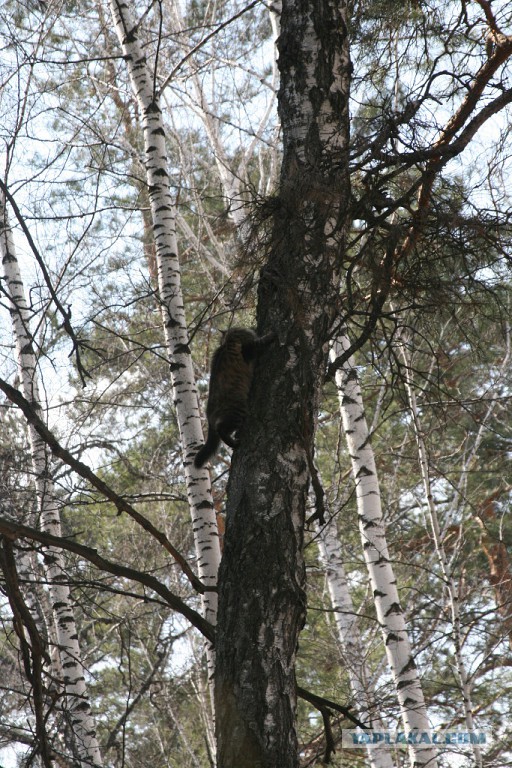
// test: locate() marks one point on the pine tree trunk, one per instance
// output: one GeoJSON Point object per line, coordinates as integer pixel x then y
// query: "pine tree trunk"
{"type": "Point", "coordinates": [261, 580]}
{"type": "Point", "coordinates": [76, 702]}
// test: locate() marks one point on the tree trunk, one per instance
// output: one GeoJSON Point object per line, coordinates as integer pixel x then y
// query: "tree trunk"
{"type": "Point", "coordinates": [262, 599]}
{"type": "Point", "coordinates": [373, 535]}
{"type": "Point", "coordinates": [75, 703]}
{"type": "Point", "coordinates": [347, 624]}
{"type": "Point", "coordinates": [171, 299]}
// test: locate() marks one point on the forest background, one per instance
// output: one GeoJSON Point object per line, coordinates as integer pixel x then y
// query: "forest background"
{"type": "Point", "coordinates": [336, 173]}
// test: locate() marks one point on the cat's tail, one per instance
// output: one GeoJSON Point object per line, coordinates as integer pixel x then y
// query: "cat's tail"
{"type": "Point", "coordinates": [208, 449]}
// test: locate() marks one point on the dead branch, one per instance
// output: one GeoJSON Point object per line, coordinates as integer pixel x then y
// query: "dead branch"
{"type": "Point", "coordinates": [29, 411]}
{"type": "Point", "coordinates": [13, 531]}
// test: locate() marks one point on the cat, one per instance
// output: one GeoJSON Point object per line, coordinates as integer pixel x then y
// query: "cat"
{"type": "Point", "coordinates": [231, 376]}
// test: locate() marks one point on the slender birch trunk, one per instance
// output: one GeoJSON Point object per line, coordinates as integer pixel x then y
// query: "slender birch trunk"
{"type": "Point", "coordinates": [76, 703]}
{"type": "Point", "coordinates": [433, 518]}
{"type": "Point", "coordinates": [171, 299]}
{"type": "Point", "coordinates": [371, 525]}
{"type": "Point", "coordinates": [348, 631]}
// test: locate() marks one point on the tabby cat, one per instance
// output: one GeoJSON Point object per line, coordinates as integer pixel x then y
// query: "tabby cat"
{"type": "Point", "coordinates": [230, 380]}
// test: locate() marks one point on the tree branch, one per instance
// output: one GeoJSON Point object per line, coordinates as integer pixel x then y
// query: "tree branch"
{"type": "Point", "coordinates": [202, 42]}
{"type": "Point", "coordinates": [129, 709]}
{"type": "Point", "coordinates": [324, 705]}
{"type": "Point", "coordinates": [84, 471]}
{"type": "Point", "coordinates": [66, 314]}
{"type": "Point", "coordinates": [32, 647]}
{"type": "Point", "coordinates": [444, 148]}
{"type": "Point", "coordinates": [12, 530]}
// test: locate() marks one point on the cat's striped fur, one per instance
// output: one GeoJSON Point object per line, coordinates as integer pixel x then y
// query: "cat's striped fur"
{"type": "Point", "coordinates": [231, 375]}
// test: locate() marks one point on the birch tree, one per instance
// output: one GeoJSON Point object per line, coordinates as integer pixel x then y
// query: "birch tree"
{"type": "Point", "coordinates": [373, 538]}
{"type": "Point", "coordinates": [347, 624]}
{"type": "Point", "coordinates": [260, 616]}
{"type": "Point", "coordinates": [170, 294]}
{"type": "Point", "coordinates": [424, 81]}
{"type": "Point", "coordinates": [75, 703]}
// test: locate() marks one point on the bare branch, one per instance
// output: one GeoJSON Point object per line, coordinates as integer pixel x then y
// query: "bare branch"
{"type": "Point", "coordinates": [31, 644]}
{"type": "Point", "coordinates": [323, 704]}
{"type": "Point", "coordinates": [202, 42]}
{"type": "Point", "coordinates": [84, 471]}
{"type": "Point", "coordinates": [14, 531]}
{"type": "Point", "coordinates": [66, 314]}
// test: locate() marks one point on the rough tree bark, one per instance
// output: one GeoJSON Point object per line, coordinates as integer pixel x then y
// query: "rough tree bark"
{"type": "Point", "coordinates": [261, 599]}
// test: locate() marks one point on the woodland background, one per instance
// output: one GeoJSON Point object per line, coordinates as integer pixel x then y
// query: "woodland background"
{"type": "Point", "coordinates": [103, 619]}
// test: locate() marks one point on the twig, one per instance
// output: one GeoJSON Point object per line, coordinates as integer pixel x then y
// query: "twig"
{"type": "Point", "coordinates": [66, 314]}
{"type": "Point", "coordinates": [13, 530]}
{"type": "Point", "coordinates": [31, 645]}
{"type": "Point", "coordinates": [202, 42]}
{"type": "Point", "coordinates": [326, 704]}
{"type": "Point", "coordinates": [84, 471]}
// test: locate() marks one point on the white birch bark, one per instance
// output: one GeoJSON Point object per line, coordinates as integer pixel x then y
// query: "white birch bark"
{"type": "Point", "coordinates": [171, 299]}
{"type": "Point", "coordinates": [347, 624]}
{"type": "Point", "coordinates": [371, 525]}
{"type": "Point", "coordinates": [435, 526]}
{"type": "Point", "coordinates": [39, 602]}
{"type": "Point", "coordinates": [76, 704]}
